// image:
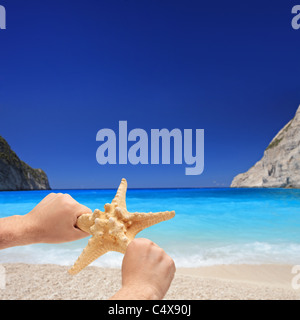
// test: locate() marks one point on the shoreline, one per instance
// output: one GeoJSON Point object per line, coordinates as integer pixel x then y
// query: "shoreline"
{"type": "Point", "coordinates": [218, 282]}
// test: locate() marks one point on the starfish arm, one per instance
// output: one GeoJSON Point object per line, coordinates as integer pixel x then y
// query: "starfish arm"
{"type": "Point", "coordinates": [144, 216]}
{"type": "Point", "coordinates": [120, 197]}
{"type": "Point", "coordinates": [84, 222]}
{"type": "Point", "coordinates": [92, 251]}
{"type": "Point", "coordinates": [147, 220]}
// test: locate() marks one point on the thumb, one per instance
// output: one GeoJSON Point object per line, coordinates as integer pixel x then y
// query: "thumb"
{"type": "Point", "coordinates": [82, 209]}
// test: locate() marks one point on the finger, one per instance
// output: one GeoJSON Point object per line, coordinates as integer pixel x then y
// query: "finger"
{"type": "Point", "coordinates": [79, 234]}
{"type": "Point", "coordinates": [82, 209]}
{"type": "Point", "coordinates": [151, 242]}
{"type": "Point", "coordinates": [154, 244]}
{"type": "Point", "coordinates": [48, 198]}
{"type": "Point", "coordinates": [146, 241]}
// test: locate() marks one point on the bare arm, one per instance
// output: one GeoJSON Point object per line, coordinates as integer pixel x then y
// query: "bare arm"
{"type": "Point", "coordinates": [53, 220]}
{"type": "Point", "coordinates": [15, 231]}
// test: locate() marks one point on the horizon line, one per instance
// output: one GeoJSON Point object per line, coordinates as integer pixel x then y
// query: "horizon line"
{"type": "Point", "coordinates": [171, 188]}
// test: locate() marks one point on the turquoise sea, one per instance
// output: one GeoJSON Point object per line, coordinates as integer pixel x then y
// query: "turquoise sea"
{"type": "Point", "coordinates": [211, 226]}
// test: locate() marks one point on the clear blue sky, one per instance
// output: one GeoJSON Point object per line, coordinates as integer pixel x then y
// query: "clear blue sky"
{"type": "Point", "coordinates": [69, 68]}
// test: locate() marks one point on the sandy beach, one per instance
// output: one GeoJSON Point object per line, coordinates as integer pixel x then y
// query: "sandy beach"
{"type": "Point", "coordinates": [229, 282]}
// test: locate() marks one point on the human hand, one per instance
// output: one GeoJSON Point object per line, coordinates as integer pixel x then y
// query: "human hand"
{"type": "Point", "coordinates": [54, 219]}
{"type": "Point", "coordinates": [147, 272]}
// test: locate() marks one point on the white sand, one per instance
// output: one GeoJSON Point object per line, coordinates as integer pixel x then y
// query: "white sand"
{"type": "Point", "coordinates": [25, 281]}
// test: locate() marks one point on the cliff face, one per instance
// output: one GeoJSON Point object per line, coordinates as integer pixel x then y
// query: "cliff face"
{"type": "Point", "coordinates": [280, 165]}
{"type": "Point", "coordinates": [16, 174]}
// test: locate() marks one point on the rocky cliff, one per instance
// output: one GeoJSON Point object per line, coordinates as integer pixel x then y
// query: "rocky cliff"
{"type": "Point", "coordinates": [280, 165]}
{"type": "Point", "coordinates": [16, 174]}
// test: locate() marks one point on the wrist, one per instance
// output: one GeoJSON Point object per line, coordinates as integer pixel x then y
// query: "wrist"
{"type": "Point", "coordinates": [29, 229]}
{"type": "Point", "coordinates": [24, 230]}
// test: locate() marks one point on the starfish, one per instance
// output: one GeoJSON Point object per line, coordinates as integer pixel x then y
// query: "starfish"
{"type": "Point", "coordinates": [113, 229]}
